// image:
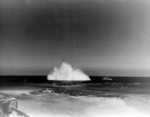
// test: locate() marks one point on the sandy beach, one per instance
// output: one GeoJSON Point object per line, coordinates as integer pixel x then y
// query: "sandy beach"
{"type": "Point", "coordinates": [133, 105]}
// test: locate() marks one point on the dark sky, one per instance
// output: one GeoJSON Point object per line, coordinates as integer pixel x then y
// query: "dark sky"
{"type": "Point", "coordinates": [102, 37]}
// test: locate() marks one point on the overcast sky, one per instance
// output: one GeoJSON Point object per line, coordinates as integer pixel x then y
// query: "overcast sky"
{"type": "Point", "coordinates": [102, 37]}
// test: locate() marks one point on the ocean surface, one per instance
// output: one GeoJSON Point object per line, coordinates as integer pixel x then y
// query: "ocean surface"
{"type": "Point", "coordinates": [96, 86]}
{"type": "Point", "coordinates": [94, 79]}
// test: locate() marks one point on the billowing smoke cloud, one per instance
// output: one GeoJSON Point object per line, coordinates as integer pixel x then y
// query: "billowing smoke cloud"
{"type": "Point", "coordinates": [66, 73]}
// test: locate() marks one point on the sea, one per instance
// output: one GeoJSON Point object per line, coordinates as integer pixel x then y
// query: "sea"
{"type": "Point", "coordinates": [4, 79]}
{"type": "Point", "coordinates": [99, 86]}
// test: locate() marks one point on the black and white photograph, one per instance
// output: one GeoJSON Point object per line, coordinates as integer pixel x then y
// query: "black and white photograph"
{"type": "Point", "coordinates": [74, 58]}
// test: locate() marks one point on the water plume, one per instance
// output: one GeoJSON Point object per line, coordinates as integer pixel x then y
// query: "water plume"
{"type": "Point", "coordinates": [66, 73]}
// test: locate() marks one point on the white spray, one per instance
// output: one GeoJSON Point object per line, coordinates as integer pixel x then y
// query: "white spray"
{"type": "Point", "coordinates": [66, 73]}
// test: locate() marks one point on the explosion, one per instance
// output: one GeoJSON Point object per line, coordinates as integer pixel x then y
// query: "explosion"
{"type": "Point", "coordinates": [66, 73]}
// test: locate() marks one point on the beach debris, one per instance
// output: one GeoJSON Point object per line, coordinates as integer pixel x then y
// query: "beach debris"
{"type": "Point", "coordinates": [9, 107]}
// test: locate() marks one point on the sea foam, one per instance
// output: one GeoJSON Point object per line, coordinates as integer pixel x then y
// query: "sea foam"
{"type": "Point", "coordinates": [67, 73]}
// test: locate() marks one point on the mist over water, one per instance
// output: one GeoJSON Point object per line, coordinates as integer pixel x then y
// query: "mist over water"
{"type": "Point", "coordinates": [67, 73]}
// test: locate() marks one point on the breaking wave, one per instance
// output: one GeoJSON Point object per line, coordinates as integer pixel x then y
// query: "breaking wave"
{"type": "Point", "coordinates": [66, 73]}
